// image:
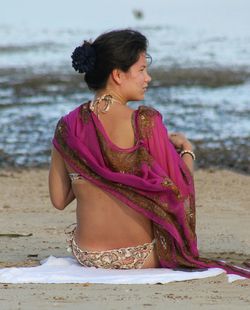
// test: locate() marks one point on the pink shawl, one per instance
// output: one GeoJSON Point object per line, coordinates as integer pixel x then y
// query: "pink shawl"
{"type": "Point", "coordinates": [149, 177]}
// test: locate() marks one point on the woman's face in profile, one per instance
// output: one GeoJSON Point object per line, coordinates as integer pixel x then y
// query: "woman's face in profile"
{"type": "Point", "coordinates": [136, 79]}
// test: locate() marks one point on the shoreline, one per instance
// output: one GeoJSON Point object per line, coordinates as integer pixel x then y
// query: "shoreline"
{"type": "Point", "coordinates": [198, 167]}
{"type": "Point", "coordinates": [231, 154]}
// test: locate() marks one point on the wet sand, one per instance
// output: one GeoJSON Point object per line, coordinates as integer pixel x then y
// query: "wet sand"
{"type": "Point", "coordinates": [223, 202]}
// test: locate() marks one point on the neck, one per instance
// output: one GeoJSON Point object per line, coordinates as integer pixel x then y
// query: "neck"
{"type": "Point", "coordinates": [115, 95]}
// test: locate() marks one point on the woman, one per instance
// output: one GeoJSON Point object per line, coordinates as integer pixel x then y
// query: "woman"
{"type": "Point", "coordinates": [134, 191]}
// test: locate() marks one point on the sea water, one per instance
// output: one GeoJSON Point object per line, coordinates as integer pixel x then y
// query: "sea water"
{"type": "Point", "coordinates": [200, 71]}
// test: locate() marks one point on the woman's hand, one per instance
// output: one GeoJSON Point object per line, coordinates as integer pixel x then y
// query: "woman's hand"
{"type": "Point", "coordinates": [180, 142]}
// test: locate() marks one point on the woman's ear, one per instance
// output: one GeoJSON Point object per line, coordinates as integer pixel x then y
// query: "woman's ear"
{"type": "Point", "coordinates": [117, 76]}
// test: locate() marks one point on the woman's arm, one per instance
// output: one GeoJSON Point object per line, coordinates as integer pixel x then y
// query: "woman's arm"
{"type": "Point", "coordinates": [60, 189]}
{"type": "Point", "coordinates": [189, 161]}
{"type": "Point", "coordinates": [182, 143]}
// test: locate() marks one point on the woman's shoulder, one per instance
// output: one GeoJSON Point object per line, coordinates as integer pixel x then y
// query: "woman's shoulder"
{"type": "Point", "coordinates": [148, 111]}
{"type": "Point", "coordinates": [70, 119]}
{"type": "Point", "coordinates": [147, 119]}
{"type": "Point", "coordinates": [76, 111]}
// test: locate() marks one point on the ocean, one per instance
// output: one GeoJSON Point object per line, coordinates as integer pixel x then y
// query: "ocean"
{"type": "Point", "coordinates": [200, 71]}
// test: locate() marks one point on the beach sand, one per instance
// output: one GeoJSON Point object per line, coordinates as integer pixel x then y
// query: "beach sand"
{"type": "Point", "coordinates": [223, 217]}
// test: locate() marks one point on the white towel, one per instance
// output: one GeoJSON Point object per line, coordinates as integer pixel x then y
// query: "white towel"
{"type": "Point", "coordinates": [67, 270]}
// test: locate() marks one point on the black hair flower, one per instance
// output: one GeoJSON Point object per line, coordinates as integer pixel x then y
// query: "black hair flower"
{"type": "Point", "coordinates": [83, 58]}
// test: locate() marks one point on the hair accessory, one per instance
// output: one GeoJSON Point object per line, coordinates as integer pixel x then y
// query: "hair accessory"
{"type": "Point", "coordinates": [83, 58]}
{"type": "Point", "coordinates": [188, 152]}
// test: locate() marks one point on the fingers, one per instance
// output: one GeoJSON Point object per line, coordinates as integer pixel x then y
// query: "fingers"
{"type": "Point", "coordinates": [177, 134]}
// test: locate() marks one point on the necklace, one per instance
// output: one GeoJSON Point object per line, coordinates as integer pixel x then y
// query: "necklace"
{"type": "Point", "coordinates": [107, 98]}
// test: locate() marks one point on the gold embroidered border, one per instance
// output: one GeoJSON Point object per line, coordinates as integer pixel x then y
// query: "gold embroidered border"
{"type": "Point", "coordinates": [146, 121]}
{"type": "Point", "coordinates": [85, 113]}
{"type": "Point", "coordinates": [124, 161]}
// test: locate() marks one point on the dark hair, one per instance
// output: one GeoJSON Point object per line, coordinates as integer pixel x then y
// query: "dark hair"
{"type": "Point", "coordinates": [118, 49]}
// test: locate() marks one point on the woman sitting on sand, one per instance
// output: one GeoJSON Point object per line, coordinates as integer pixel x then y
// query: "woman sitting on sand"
{"type": "Point", "coordinates": [132, 181]}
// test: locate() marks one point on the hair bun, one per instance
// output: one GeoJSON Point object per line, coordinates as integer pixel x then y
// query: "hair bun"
{"type": "Point", "coordinates": [83, 58]}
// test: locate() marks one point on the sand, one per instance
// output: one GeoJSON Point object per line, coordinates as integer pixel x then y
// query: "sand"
{"type": "Point", "coordinates": [223, 217]}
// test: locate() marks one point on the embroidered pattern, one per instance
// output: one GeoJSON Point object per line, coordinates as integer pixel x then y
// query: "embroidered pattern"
{"type": "Point", "coordinates": [121, 258]}
{"type": "Point", "coordinates": [124, 161]}
{"type": "Point", "coordinates": [85, 113]}
{"type": "Point", "coordinates": [169, 183]}
{"type": "Point", "coordinates": [146, 121]}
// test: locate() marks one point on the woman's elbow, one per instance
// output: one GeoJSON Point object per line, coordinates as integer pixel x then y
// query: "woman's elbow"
{"type": "Point", "coordinates": [60, 205]}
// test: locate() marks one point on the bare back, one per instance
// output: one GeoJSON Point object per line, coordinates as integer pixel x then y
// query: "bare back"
{"type": "Point", "coordinates": [104, 222]}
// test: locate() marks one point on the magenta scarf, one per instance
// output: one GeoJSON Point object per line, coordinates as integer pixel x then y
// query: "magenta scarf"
{"type": "Point", "coordinates": [149, 177]}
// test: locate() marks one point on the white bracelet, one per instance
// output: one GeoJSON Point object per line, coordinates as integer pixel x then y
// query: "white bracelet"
{"type": "Point", "coordinates": [188, 152]}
